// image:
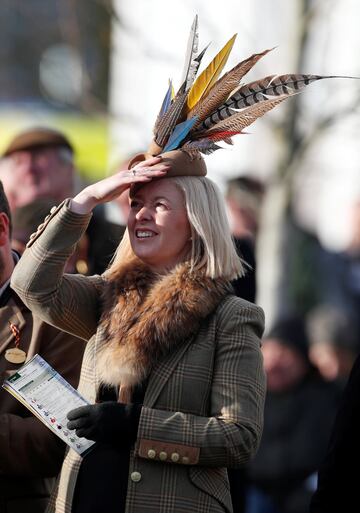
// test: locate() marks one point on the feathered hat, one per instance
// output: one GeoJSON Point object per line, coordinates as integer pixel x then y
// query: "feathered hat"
{"type": "Point", "coordinates": [208, 109]}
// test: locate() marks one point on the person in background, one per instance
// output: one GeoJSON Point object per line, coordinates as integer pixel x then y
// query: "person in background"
{"type": "Point", "coordinates": [334, 342]}
{"type": "Point", "coordinates": [38, 166]}
{"type": "Point", "coordinates": [244, 196]}
{"type": "Point", "coordinates": [299, 410]}
{"type": "Point", "coordinates": [338, 484]}
{"type": "Point", "coordinates": [30, 455]}
{"type": "Point", "coordinates": [37, 163]}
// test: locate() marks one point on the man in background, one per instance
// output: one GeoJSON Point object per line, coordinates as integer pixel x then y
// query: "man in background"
{"type": "Point", "coordinates": [30, 454]}
{"type": "Point", "coordinates": [37, 163]}
{"type": "Point", "coordinates": [299, 410]}
{"type": "Point", "coordinates": [37, 168]}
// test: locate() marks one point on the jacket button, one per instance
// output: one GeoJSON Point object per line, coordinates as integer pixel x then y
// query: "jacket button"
{"type": "Point", "coordinates": [163, 455]}
{"type": "Point", "coordinates": [175, 457]}
{"type": "Point", "coordinates": [185, 460]}
{"type": "Point", "coordinates": [151, 454]}
{"type": "Point", "coordinates": [135, 477]}
{"type": "Point", "coordinates": [52, 210]}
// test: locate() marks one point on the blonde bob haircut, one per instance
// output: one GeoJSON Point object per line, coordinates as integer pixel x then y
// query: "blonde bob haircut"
{"type": "Point", "coordinates": [213, 249]}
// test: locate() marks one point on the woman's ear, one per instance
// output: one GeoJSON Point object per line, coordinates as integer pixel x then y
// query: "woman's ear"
{"type": "Point", "coordinates": [4, 229]}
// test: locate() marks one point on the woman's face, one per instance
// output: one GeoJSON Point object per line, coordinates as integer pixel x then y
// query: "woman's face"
{"type": "Point", "coordinates": [158, 225]}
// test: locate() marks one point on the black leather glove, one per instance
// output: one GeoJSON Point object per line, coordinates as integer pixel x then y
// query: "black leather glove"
{"type": "Point", "coordinates": [110, 422]}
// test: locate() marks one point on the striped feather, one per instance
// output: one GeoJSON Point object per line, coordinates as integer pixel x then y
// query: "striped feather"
{"type": "Point", "coordinates": [167, 100]}
{"type": "Point", "coordinates": [259, 91]}
{"type": "Point", "coordinates": [209, 76]}
{"type": "Point", "coordinates": [205, 146]}
{"type": "Point", "coordinates": [224, 135]}
{"type": "Point", "coordinates": [244, 118]}
{"type": "Point", "coordinates": [223, 88]}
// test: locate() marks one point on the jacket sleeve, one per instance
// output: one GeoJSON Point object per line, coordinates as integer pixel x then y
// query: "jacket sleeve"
{"type": "Point", "coordinates": [230, 435]}
{"type": "Point", "coordinates": [67, 301]}
{"type": "Point", "coordinates": [27, 446]}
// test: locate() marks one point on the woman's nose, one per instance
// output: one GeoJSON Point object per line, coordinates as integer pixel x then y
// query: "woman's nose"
{"type": "Point", "coordinates": [143, 213]}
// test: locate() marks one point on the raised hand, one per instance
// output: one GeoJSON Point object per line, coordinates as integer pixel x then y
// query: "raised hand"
{"type": "Point", "coordinates": [111, 187]}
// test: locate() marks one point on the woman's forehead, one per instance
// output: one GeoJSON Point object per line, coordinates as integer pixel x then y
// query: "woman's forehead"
{"type": "Point", "coordinates": [164, 187]}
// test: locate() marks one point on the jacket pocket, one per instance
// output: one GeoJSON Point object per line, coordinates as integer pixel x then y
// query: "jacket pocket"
{"type": "Point", "coordinates": [214, 482]}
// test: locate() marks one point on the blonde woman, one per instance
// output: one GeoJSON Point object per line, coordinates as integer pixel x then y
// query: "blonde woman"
{"type": "Point", "coordinates": [173, 368]}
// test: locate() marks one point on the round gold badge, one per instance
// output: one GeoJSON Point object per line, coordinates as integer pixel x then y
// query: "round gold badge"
{"type": "Point", "coordinates": [15, 355]}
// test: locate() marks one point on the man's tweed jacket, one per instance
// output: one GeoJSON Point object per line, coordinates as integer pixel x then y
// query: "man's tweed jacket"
{"type": "Point", "coordinates": [203, 406]}
{"type": "Point", "coordinates": [30, 454]}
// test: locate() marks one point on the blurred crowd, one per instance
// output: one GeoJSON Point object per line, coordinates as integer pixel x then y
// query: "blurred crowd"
{"type": "Point", "coordinates": [309, 350]}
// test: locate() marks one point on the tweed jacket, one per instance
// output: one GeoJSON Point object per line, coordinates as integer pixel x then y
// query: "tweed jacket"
{"type": "Point", "coordinates": [30, 455]}
{"type": "Point", "coordinates": [203, 406]}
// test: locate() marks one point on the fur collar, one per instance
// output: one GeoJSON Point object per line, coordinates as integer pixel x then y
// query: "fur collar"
{"type": "Point", "coordinates": [145, 316]}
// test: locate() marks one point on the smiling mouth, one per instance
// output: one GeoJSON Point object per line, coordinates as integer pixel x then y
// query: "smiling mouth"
{"type": "Point", "coordinates": [144, 234]}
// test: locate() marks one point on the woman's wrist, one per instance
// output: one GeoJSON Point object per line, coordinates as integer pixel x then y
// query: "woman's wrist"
{"type": "Point", "coordinates": [82, 203]}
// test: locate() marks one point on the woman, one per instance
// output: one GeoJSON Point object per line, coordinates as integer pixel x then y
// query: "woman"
{"type": "Point", "coordinates": [173, 361]}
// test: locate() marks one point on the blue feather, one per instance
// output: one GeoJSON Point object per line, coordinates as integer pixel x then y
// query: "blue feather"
{"type": "Point", "coordinates": [180, 132]}
{"type": "Point", "coordinates": [167, 100]}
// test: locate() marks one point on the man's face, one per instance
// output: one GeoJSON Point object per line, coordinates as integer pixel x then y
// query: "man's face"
{"type": "Point", "coordinates": [284, 365]}
{"type": "Point", "coordinates": [36, 173]}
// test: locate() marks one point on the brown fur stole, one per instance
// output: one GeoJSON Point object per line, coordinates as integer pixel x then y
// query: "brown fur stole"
{"type": "Point", "coordinates": [146, 315]}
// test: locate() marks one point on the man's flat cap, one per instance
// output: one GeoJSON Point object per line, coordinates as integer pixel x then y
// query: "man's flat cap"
{"type": "Point", "coordinates": [37, 137]}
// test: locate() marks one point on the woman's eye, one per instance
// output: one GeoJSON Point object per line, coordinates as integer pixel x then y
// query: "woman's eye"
{"type": "Point", "coordinates": [160, 206]}
{"type": "Point", "coordinates": [134, 204]}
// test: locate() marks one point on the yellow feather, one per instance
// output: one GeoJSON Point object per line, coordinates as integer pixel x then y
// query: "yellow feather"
{"type": "Point", "coordinates": [209, 76]}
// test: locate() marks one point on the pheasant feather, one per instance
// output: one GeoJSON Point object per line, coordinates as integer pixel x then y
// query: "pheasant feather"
{"type": "Point", "coordinates": [209, 109]}
{"type": "Point", "coordinates": [224, 135]}
{"type": "Point", "coordinates": [167, 100]}
{"type": "Point", "coordinates": [259, 91]}
{"type": "Point", "coordinates": [205, 146]}
{"type": "Point", "coordinates": [190, 68]}
{"type": "Point", "coordinates": [209, 76]}
{"type": "Point", "coordinates": [244, 118]}
{"type": "Point", "coordinates": [180, 132]}
{"type": "Point", "coordinates": [170, 119]}
{"type": "Point", "coordinates": [223, 88]}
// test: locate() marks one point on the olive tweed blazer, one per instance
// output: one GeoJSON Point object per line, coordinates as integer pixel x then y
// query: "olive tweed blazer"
{"type": "Point", "coordinates": [203, 406]}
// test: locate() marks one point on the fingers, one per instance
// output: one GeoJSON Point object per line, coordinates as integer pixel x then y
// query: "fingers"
{"type": "Point", "coordinates": [83, 411]}
{"type": "Point", "coordinates": [85, 433]}
{"type": "Point", "coordinates": [79, 423]}
{"type": "Point", "coordinates": [150, 167]}
{"type": "Point", "coordinates": [150, 161]}
{"type": "Point", "coordinates": [156, 170]}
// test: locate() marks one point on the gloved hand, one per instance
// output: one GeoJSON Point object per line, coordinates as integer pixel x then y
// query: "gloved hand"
{"type": "Point", "coordinates": [109, 422]}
